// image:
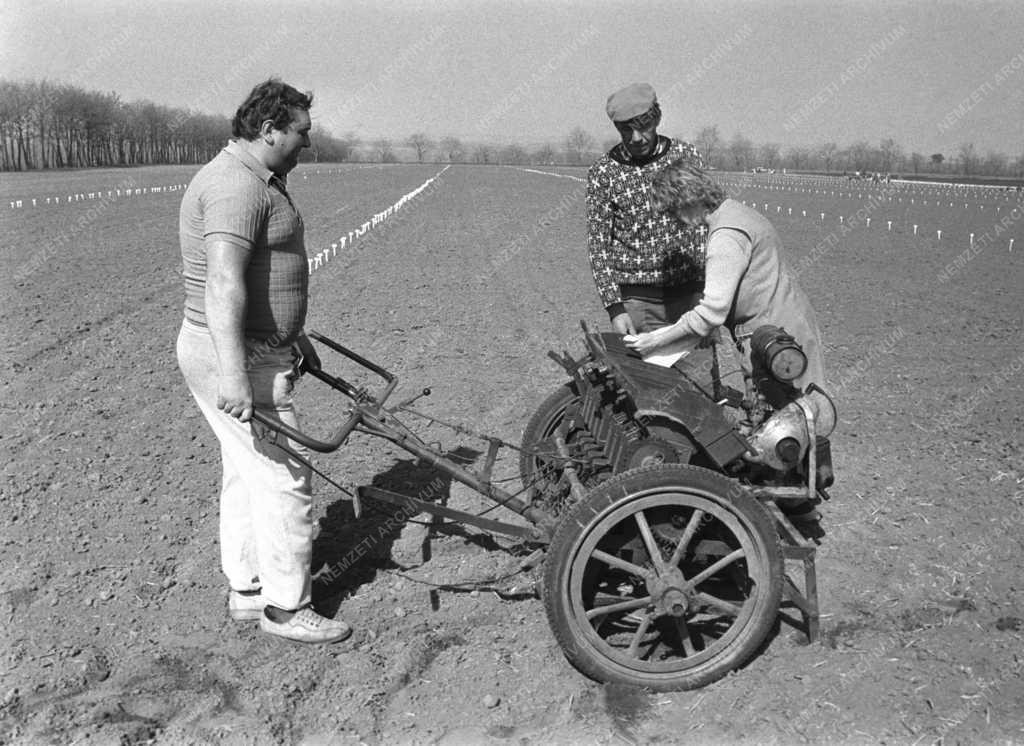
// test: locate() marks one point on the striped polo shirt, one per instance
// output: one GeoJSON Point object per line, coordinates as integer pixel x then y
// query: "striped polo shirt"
{"type": "Point", "coordinates": [235, 198]}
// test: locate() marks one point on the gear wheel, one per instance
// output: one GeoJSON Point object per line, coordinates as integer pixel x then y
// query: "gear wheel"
{"type": "Point", "coordinates": [649, 452]}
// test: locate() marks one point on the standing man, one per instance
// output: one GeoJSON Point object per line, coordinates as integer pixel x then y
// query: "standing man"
{"type": "Point", "coordinates": [648, 269]}
{"type": "Point", "coordinates": [242, 346]}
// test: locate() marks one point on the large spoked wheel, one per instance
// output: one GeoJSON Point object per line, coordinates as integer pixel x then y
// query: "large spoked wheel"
{"type": "Point", "coordinates": [666, 577]}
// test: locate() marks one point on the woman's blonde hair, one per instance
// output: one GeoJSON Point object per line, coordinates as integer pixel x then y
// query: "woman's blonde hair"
{"type": "Point", "coordinates": [681, 184]}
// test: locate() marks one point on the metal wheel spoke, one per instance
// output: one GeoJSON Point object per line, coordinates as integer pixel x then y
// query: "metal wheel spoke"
{"type": "Point", "coordinates": [633, 603]}
{"type": "Point", "coordinates": [611, 559]}
{"type": "Point", "coordinates": [684, 540]}
{"type": "Point", "coordinates": [649, 541]}
{"type": "Point", "coordinates": [719, 603]}
{"type": "Point", "coordinates": [638, 636]}
{"type": "Point", "coordinates": [726, 560]}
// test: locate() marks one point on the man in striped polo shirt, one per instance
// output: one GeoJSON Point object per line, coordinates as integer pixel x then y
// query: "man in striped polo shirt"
{"type": "Point", "coordinates": [648, 269]}
{"type": "Point", "coordinates": [241, 347]}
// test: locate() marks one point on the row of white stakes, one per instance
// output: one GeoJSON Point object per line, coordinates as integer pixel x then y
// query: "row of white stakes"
{"type": "Point", "coordinates": [861, 196]}
{"type": "Point", "coordinates": [325, 255]}
{"type": "Point", "coordinates": [902, 186]}
{"type": "Point", "coordinates": [867, 221]}
{"type": "Point", "coordinates": [112, 194]}
{"type": "Point", "coordinates": [98, 194]}
{"type": "Point", "coordinates": [778, 208]}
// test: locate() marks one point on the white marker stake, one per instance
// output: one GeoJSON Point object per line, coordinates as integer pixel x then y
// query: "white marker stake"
{"type": "Point", "coordinates": [868, 225]}
{"type": "Point", "coordinates": [915, 229]}
{"type": "Point", "coordinates": [790, 210]}
{"type": "Point", "coordinates": [840, 218]}
{"type": "Point", "coordinates": [939, 234]}
{"type": "Point", "coordinates": [334, 248]}
{"type": "Point", "coordinates": [1011, 244]}
{"type": "Point", "coordinates": [823, 217]}
{"type": "Point", "coordinates": [890, 224]}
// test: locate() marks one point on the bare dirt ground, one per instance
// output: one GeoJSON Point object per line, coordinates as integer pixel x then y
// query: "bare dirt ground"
{"type": "Point", "coordinates": [111, 597]}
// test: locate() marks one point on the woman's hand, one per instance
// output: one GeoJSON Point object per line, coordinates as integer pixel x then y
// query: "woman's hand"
{"type": "Point", "coordinates": [644, 343]}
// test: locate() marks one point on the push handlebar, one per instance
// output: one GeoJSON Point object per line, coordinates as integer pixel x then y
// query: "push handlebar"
{"type": "Point", "coordinates": [360, 398]}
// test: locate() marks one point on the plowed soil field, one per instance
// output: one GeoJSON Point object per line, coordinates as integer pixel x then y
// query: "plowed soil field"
{"type": "Point", "coordinates": [112, 602]}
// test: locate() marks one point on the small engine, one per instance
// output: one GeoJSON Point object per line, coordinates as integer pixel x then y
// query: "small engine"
{"type": "Point", "coordinates": [783, 421]}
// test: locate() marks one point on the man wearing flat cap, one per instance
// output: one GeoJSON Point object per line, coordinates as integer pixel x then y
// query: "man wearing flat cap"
{"type": "Point", "coordinates": [648, 269]}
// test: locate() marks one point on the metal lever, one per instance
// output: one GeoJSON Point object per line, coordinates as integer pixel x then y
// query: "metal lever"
{"type": "Point", "coordinates": [410, 400]}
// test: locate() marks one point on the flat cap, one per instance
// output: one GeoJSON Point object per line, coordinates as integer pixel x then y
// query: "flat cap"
{"type": "Point", "coordinates": [631, 101]}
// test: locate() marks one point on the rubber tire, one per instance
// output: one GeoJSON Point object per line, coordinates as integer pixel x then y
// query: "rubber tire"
{"type": "Point", "coordinates": [545, 420]}
{"type": "Point", "coordinates": [608, 497]}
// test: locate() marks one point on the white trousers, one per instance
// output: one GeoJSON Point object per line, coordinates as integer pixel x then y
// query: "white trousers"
{"type": "Point", "coordinates": [266, 525]}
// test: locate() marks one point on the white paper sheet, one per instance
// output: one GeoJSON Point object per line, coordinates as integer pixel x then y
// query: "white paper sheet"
{"type": "Point", "coordinates": [666, 355]}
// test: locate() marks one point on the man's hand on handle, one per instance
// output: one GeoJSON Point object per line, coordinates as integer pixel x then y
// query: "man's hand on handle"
{"type": "Point", "coordinates": [234, 396]}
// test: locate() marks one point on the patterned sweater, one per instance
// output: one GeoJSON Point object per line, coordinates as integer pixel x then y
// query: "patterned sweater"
{"type": "Point", "coordinates": [627, 241]}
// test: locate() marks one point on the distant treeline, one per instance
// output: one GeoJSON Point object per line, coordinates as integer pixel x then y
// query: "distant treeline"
{"type": "Point", "coordinates": [56, 125]}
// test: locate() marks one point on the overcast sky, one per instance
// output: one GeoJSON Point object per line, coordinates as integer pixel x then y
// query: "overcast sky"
{"type": "Point", "coordinates": [930, 75]}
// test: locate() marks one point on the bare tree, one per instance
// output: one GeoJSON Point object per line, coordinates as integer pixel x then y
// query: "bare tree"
{"type": "Point", "coordinates": [994, 163]}
{"type": "Point", "coordinates": [326, 148]}
{"type": "Point", "coordinates": [891, 153]}
{"type": "Point", "coordinates": [968, 158]}
{"type": "Point", "coordinates": [916, 159]}
{"type": "Point", "coordinates": [860, 155]}
{"type": "Point", "coordinates": [385, 152]}
{"type": "Point", "coordinates": [421, 144]}
{"type": "Point", "coordinates": [514, 154]}
{"type": "Point", "coordinates": [828, 152]}
{"type": "Point", "coordinates": [483, 154]}
{"type": "Point", "coordinates": [451, 148]}
{"type": "Point", "coordinates": [741, 151]}
{"type": "Point", "coordinates": [797, 157]}
{"type": "Point", "coordinates": [770, 154]}
{"type": "Point", "coordinates": [579, 145]}
{"type": "Point", "coordinates": [707, 143]}
{"type": "Point", "coordinates": [545, 155]}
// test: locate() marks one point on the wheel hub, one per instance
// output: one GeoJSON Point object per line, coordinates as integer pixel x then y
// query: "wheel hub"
{"type": "Point", "coordinates": [669, 592]}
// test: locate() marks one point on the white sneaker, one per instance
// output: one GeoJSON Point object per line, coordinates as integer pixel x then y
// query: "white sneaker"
{"type": "Point", "coordinates": [305, 625]}
{"type": "Point", "coordinates": [245, 606]}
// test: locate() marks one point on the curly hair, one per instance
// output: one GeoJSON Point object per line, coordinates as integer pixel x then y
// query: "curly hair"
{"type": "Point", "coordinates": [681, 184]}
{"type": "Point", "coordinates": [271, 100]}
